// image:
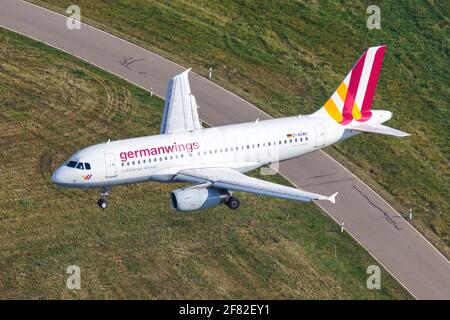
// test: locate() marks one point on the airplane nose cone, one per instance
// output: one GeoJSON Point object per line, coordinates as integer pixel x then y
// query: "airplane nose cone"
{"type": "Point", "coordinates": [59, 176]}
{"type": "Point", "coordinates": [56, 176]}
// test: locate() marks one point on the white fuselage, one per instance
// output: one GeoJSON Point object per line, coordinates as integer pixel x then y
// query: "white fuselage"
{"type": "Point", "coordinates": [243, 147]}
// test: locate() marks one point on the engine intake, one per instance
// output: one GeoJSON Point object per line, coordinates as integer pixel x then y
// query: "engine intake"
{"type": "Point", "coordinates": [195, 198]}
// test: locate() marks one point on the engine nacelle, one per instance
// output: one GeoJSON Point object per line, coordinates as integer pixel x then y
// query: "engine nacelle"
{"type": "Point", "coordinates": [195, 198]}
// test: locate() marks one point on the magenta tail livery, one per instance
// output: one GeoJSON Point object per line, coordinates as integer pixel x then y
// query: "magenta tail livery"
{"type": "Point", "coordinates": [214, 160]}
{"type": "Point", "coordinates": [352, 100]}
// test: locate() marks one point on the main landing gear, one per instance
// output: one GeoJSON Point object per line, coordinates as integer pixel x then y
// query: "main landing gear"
{"type": "Point", "coordinates": [233, 203]}
{"type": "Point", "coordinates": [103, 202]}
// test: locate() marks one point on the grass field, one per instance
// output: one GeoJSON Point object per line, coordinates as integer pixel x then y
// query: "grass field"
{"type": "Point", "coordinates": [286, 57]}
{"type": "Point", "coordinates": [51, 105]}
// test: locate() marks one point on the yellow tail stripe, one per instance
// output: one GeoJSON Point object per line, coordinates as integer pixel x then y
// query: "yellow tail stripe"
{"type": "Point", "coordinates": [356, 113]}
{"type": "Point", "coordinates": [333, 110]}
{"type": "Point", "coordinates": [342, 91]}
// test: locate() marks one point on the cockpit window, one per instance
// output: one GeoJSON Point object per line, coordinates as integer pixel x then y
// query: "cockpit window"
{"type": "Point", "coordinates": [79, 165]}
{"type": "Point", "coordinates": [72, 164]}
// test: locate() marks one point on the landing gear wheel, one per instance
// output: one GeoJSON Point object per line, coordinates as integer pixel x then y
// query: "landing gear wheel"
{"type": "Point", "coordinates": [233, 203]}
{"type": "Point", "coordinates": [102, 203]}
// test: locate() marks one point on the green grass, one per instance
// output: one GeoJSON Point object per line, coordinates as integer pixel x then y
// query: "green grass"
{"type": "Point", "coordinates": [287, 57]}
{"type": "Point", "coordinates": [140, 248]}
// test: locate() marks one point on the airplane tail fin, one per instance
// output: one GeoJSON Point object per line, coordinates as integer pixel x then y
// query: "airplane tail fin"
{"type": "Point", "coordinates": [352, 100]}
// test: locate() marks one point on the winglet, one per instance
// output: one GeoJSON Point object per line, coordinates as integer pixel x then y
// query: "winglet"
{"type": "Point", "coordinates": [333, 197]}
{"type": "Point", "coordinates": [185, 72]}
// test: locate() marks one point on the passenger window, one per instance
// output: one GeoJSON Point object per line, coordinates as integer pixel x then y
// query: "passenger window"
{"type": "Point", "coordinates": [80, 166]}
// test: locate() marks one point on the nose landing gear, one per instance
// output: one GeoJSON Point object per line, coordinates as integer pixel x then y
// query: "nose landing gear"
{"type": "Point", "coordinates": [103, 202]}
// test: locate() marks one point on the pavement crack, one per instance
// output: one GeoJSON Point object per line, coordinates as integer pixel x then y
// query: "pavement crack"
{"type": "Point", "coordinates": [127, 61]}
{"type": "Point", "coordinates": [385, 214]}
{"type": "Point", "coordinates": [323, 175]}
{"type": "Point", "coordinates": [326, 182]}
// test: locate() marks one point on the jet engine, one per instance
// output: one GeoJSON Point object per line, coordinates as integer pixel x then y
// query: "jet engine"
{"type": "Point", "coordinates": [195, 198]}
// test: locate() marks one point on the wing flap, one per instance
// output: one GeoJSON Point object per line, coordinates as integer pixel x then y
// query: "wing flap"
{"type": "Point", "coordinates": [235, 181]}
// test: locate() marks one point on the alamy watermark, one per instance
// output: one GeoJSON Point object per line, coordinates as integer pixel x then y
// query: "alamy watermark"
{"type": "Point", "coordinates": [374, 280]}
{"type": "Point", "coordinates": [374, 20]}
{"type": "Point", "coordinates": [73, 22]}
{"type": "Point", "coordinates": [74, 279]}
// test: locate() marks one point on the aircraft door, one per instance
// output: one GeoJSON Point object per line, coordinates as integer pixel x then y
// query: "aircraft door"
{"type": "Point", "coordinates": [319, 129]}
{"type": "Point", "coordinates": [110, 164]}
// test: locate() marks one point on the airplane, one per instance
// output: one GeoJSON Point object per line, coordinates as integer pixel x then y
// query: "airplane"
{"type": "Point", "coordinates": [214, 160]}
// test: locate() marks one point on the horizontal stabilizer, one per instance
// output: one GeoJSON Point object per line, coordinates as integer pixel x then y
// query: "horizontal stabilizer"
{"type": "Point", "coordinates": [381, 129]}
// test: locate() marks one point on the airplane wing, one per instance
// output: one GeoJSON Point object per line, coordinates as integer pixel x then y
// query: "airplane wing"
{"type": "Point", "coordinates": [180, 108]}
{"type": "Point", "coordinates": [235, 181]}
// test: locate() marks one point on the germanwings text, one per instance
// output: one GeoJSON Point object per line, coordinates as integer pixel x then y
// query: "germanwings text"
{"type": "Point", "coordinates": [147, 152]}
